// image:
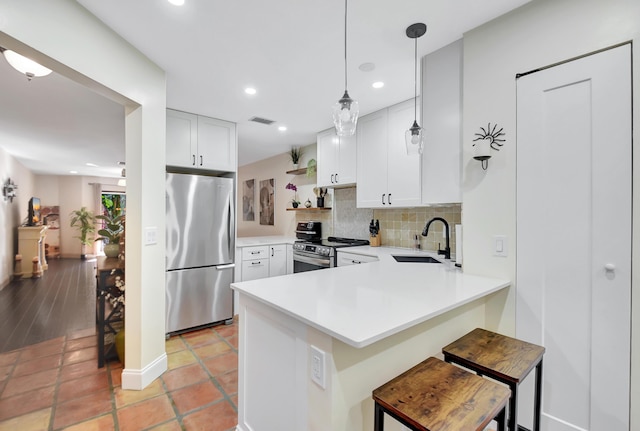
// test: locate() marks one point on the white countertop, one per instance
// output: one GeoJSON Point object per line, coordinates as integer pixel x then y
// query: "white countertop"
{"type": "Point", "coordinates": [249, 241]}
{"type": "Point", "coordinates": [361, 304]}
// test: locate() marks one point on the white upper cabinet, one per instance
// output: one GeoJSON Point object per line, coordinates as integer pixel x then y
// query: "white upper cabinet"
{"type": "Point", "coordinates": [198, 142]}
{"type": "Point", "coordinates": [441, 120]}
{"type": "Point", "coordinates": [336, 159]}
{"type": "Point", "coordinates": [387, 177]}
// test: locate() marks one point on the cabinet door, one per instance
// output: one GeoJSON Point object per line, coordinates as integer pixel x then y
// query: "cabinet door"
{"type": "Point", "coordinates": [347, 160]}
{"type": "Point", "coordinates": [371, 167]}
{"type": "Point", "coordinates": [277, 260]}
{"type": "Point", "coordinates": [182, 138]}
{"type": "Point", "coordinates": [345, 259]}
{"type": "Point", "coordinates": [403, 170]}
{"type": "Point", "coordinates": [255, 269]}
{"type": "Point", "coordinates": [328, 149]}
{"type": "Point", "coordinates": [441, 118]}
{"type": "Point", "coordinates": [216, 144]}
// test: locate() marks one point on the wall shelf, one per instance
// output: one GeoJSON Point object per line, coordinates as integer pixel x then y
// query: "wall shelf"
{"type": "Point", "coordinates": [309, 209]}
{"type": "Point", "coordinates": [297, 171]}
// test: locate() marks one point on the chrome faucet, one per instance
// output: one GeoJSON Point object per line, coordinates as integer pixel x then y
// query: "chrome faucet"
{"type": "Point", "coordinates": [447, 250]}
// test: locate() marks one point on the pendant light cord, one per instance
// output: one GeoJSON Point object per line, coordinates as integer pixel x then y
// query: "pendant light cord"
{"type": "Point", "coordinates": [415, 83]}
{"type": "Point", "coordinates": [345, 46]}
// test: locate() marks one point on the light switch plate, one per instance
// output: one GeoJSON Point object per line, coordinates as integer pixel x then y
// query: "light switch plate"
{"type": "Point", "coordinates": [150, 235]}
{"type": "Point", "coordinates": [500, 245]}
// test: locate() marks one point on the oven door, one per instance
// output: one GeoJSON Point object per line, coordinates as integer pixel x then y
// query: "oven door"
{"type": "Point", "coordinates": [303, 262]}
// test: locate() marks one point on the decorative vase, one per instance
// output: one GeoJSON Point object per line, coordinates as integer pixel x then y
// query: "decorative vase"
{"type": "Point", "coordinates": [320, 202]}
{"type": "Point", "coordinates": [119, 340]}
{"type": "Point", "coordinates": [295, 204]}
{"type": "Point", "coordinates": [295, 166]}
{"type": "Point", "coordinates": [112, 250]}
{"type": "Point", "coordinates": [308, 203]}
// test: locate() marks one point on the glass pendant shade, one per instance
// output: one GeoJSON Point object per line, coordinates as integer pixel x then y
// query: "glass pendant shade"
{"type": "Point", "coordinates": [24, 65]}
{"type": "Point", "coordinates": [414, 139]}
{"type": "Point", "coordinates": [345, 115]}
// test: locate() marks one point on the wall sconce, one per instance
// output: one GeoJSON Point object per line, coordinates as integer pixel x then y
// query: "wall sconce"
{"type": "Point", "coordinates": [9, 190]}
{"type": "Point", "coordinates": [485, 141]}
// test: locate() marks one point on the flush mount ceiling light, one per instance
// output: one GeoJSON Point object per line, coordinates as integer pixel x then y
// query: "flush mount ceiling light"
{"type": "Point", "coordinates": [282, 128]}
{"type": "Point", "coordinates": [250, 90]}
{"type": "Point", "coordinates": [24, 65]}
{"type": "Point", "coordinates": [345, 110]}
{"type": "Point", "coordinates": [414, 137]}
{"type": "Point", "coordinates": [378, 84]}
{"type": "Point", "coordinates": [176, 2]}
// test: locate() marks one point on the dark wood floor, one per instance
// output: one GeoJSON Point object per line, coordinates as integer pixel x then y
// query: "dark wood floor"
{"type": "Point", "coordinates": [62, 301]}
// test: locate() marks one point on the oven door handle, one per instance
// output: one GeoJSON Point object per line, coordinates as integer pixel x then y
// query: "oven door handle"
{"type": "Point", "coordinates": [309, 232]}
{"type": "Point", "coordinates": [325, 263]}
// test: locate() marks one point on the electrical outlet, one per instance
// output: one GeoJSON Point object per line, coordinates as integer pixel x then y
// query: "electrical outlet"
{"type": "Point", "coordinates": [318, 366]}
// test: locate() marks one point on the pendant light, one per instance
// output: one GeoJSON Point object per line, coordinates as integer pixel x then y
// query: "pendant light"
{"type": "Point", "coordinates": [413, 137]}
{"type": "Point", "coordinates": [24, 65]}
{"type": "Point", "coordinates": [345, 110]}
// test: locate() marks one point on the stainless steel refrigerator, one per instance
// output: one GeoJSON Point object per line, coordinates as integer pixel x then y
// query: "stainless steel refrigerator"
{"type": "Point", "coordinates": [200, 239]}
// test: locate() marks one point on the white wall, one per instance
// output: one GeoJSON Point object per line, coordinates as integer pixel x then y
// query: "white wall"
{"type": "Point", "coordinates": [276, 167]}
{"type": "Point", "coordinates": [12, 213]}
{"type": "Point", "coordinates": [103, 61]}
{"type": "Point", "coordinates": [540, 33]}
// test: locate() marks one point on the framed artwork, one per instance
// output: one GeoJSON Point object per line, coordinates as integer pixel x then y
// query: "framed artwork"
{"type": "Point", "coordinates": [267, 202]}
{"type": "Point", "coordinates": [248, 199]}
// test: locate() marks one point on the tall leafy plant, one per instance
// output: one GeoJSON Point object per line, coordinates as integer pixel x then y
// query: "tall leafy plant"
{"type": "Point", "coordinates": [85, 222]}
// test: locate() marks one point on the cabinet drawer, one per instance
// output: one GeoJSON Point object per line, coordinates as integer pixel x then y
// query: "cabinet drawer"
{"type": "Point", "coordinates": [255, 269]}
{"type": "Point", "coordinates": [259, 252]}
{"type": "Point", "coordinates": [345, 259]}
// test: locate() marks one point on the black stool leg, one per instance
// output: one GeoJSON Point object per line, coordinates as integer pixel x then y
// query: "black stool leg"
{"type": "Point", "coordinates": [378, 418]}
{"type": "Point", "coordinates": [538, 397]}
{"type": "Point", "coordinates": [501, 419]}
{"type": "Point", "coordinates": [513, 407]}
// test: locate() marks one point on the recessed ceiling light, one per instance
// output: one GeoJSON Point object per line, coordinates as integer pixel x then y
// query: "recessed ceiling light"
{"type": "Point", "coordinates": [367, 67]}
{"type": "Point", "coordinates": [176, 2]}
{"type": "Point", "coordinates": [378, 84]}
{"type": "Point", "coordinates": [282, 128]}
{"type": "Point", "coordinates": [73, 172]}
{"type": "Point", "coordinates": [93, 165]}
{"type": "Point", "coordinates": [250, 90]}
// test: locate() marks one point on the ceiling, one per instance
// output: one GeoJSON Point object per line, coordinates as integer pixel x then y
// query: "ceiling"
{"type": "Point", "coordinates": [291, 51]}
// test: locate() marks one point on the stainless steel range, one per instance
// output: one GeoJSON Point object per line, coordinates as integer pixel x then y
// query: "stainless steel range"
{"type": "Point", "coordinates": [312, 252]}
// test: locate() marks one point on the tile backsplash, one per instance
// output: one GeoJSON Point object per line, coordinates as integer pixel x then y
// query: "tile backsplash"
{"type": "Point", "coordinates": [398, 227]}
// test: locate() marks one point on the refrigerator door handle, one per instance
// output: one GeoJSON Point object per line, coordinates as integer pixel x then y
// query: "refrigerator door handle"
{"type": "Point", "coordinates": [228, 266]}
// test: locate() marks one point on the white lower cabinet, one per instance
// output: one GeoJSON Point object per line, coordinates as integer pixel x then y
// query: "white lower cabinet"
{"type": "Point", "coordinates": [345, 259]}
{"type": "Point", "coordinates": [265, 261]}
{"type": "Point", "coordinates": [277, 260]}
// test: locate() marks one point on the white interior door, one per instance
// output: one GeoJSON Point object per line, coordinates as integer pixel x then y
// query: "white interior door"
{"type": "Point", "coordinates": [574, 236]}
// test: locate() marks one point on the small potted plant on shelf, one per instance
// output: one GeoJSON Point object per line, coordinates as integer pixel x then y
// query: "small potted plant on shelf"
{"type": "Point", "coordinates": [295, 153]}
{"type": "Point", "coordinates": [294, 202]}
{"type": "Point", "coordinates": [84, 221]}
{"type": "Point", "coordinates": [111, 233]}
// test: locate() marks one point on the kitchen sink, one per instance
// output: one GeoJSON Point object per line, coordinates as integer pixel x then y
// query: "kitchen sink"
{"type": "Point", "coordinates": [420, 259]}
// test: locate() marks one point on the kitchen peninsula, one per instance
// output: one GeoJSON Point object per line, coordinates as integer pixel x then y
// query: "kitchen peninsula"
{"type": "Point", "coordinates": [313, 345]}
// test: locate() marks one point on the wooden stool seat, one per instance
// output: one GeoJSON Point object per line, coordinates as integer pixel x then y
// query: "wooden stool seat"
{"type": "Point", "coordinates": [437, 396]}
{"type": "Point", "coordinates": [505, 359]}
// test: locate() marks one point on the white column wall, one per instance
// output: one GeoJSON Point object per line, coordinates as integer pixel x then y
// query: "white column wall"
{"type": "Point", "coordinates": [538, 34]}
{"type": "Point", "coordinates": [65, 37]}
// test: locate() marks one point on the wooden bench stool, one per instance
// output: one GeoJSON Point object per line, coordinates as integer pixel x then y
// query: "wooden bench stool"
{"type": "Point", "coordinates": [501, 358]}
{"type": "Point", "coordinates": [436, 396]}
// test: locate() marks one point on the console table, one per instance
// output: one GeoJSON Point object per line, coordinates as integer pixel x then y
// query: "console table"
{"type": "Point", "coordinates": [30, 245]}
{"type": "Point", "coordinates": [109, 319]}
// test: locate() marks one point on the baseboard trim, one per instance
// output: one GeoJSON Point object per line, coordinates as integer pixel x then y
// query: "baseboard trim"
{"type": "Point", "coordinates": [140, 379]}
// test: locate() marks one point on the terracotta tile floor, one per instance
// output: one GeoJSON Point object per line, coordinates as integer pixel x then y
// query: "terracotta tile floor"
{"type": "Point", "coordinates": [56, 385]}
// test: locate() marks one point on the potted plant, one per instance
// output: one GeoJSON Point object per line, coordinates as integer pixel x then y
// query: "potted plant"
{"type": "Point", "coordinates": [111, 233]}
{"type": "Point", "coordinates": [295, 202]}
{"type": "Point", "coordinates": [295, 153]}
{"type": "Point", "coordinates": [84, 221]}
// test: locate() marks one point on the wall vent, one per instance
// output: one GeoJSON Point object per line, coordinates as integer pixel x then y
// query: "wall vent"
{"type": "Point", "coordinates": [261, 120]}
